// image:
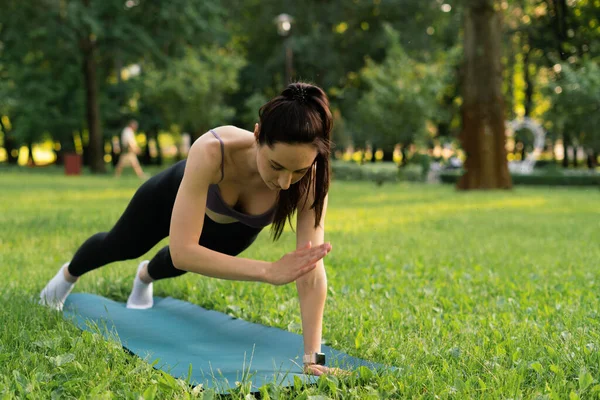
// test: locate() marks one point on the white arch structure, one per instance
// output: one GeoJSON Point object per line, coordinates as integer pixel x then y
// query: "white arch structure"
{"type": "Point", "coordinates": [539, 140]}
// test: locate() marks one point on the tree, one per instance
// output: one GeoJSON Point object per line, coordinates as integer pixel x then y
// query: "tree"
{"type": "Point", "coordinates": [331, 41]}
{"type": "Point", "coordinates": [553, 33]}
{"type": "Point", "coordinates": [99, 36]}
{"type": "Point", "coordinates": [40, 90]}
{"type": "Point", "coordinates": [401, 96]}
{"type": "Point", "coordinates": [189, 91]}
{"type": "Point", "coordinates": [7, 105]}
{"type": "Point", "coordinates": [483, 133]}
{"type": "Point", "coordinates": [575, 109]}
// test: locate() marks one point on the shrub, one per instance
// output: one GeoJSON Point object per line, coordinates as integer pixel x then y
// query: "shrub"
{"type": "Point", "coordinates": [551, 178]}
{"type": "Point", "coordinates": [424, 161]}
{"type": "Point", "coordinates": [412, 173]}
{"type": "Point", "coordinates": [378, 173]}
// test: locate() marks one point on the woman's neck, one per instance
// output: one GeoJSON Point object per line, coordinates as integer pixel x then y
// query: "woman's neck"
{"type": "Point", "coordinates": [245, 162]}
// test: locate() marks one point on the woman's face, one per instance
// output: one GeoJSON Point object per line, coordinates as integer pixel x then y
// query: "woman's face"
{"type": "Point", "coordinates": [284, 164]}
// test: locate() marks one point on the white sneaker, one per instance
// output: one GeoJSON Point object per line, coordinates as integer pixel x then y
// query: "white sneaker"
{"type": "Point", "coordinates": [141, 293]}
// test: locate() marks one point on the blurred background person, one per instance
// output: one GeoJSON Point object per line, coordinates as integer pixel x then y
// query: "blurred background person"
{"type": "Point", "coordinates": [129, 151]}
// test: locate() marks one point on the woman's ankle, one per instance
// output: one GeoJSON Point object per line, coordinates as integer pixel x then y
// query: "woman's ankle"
{"type": "Point", "coordinates": [144, 275]}
{"type": "Point", "coordinates": [68, 277]}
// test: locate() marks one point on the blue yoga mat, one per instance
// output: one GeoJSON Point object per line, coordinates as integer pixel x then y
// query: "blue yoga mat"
{"type": "Point", "coordinates": [221, 350]}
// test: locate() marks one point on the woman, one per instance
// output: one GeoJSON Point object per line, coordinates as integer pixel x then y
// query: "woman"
{"type": "Point", "coordinates": [213, 205]}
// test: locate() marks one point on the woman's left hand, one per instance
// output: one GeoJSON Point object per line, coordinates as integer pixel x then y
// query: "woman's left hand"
{"type": "Point", "coordinates": [318, 370]}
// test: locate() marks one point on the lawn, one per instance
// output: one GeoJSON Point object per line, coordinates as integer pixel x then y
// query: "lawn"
{"type": "Point", "coordinates": [470, 295]}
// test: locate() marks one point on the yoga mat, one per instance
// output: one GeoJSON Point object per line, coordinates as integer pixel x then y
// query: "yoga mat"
{"type": "Point", "coordinates": [221, 349]}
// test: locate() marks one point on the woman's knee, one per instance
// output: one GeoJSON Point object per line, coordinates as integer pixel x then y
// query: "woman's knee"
{"type": "Point", "coordinates": [125, 248]}
{"type": "Point", "coordinates": [161, 266]}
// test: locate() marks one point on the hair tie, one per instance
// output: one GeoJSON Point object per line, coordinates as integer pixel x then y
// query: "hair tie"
{"type": "Point", "coordinates": [299, 95]}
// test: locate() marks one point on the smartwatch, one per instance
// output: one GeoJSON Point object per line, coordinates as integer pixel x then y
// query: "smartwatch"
{"type": "Point", "coordinates": [314, 358]}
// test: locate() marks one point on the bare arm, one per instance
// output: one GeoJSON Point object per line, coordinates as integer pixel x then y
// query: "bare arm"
{"type": "Point", "coordinates": [312, 287]}
{"type": "Point", "coordinates": [187, 220]}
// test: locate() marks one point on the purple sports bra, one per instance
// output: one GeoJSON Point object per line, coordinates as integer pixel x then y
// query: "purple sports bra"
{"type": "Point", "coordinates": [215, 202]}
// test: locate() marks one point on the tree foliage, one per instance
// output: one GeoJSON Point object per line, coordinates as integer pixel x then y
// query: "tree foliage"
{"type": "Point", "coordinates": [401, 97]}
{"type": "Point", "coordinates": [206, 63]}
{"type": "Point", "coordinates": [575, 101]}
{"type": "Point", "coordinates": [190, 90]}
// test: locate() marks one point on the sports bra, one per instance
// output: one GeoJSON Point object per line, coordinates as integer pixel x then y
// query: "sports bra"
{"type": "Point", "coordinates": [215, 202]}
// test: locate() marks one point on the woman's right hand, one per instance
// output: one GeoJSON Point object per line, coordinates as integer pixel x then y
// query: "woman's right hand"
{"type": "Point", "coordinates": [295, 264]}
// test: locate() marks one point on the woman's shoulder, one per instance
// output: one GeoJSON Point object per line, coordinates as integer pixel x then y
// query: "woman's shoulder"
{"type": "Point", "coordinates": [230, 136]}
{"type": "Point", "coordinates": [208, 146]}
{"type": "Point", "coordinates": [233, 136]}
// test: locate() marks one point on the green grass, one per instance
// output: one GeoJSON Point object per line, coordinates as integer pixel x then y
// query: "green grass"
{"type": "Point", "coordinates": [470, 295]}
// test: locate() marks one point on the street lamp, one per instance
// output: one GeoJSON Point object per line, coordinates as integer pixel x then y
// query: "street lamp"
{"type": "Point", "coordinates": [284, 26]}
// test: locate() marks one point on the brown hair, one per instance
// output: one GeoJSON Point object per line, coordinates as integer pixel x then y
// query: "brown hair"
{"type": "Point", "coordinates": [299, 115]}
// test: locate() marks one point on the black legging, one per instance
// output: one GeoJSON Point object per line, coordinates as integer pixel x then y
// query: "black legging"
{"type": "Point", "coordinates": [146, 222]}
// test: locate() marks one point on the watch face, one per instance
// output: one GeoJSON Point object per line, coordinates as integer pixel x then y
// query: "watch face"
{"type": "Point", "coordinates": [320, 358]}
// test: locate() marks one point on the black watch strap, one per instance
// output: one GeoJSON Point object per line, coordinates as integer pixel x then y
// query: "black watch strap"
{"type": "Point", "coordinates": [314, 358]}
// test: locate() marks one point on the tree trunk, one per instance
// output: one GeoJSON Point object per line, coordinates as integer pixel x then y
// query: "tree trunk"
{"type": "Point", "coordinates": [96, 146]}
{"type": "Point", "coordinates": [146, 158]}
{"type": "Point", "coordinates": [404, 151]}
{"type": "Point", "coordinates": [528, 83]}
{"type": "Point", "coordinates": [560, 25]}
{"type": "Point", "coordinates": [96, 150]}
{"type": "Point", "coordinates": [114, 156]}
{"type": "Point", "coordinates": [10, 144]}
{"type": "Point", "coordinates": [159, 155]}
{"type": "Point", "coordinates": [153, 134]}
{"type": "Point", "coordinates": [31, 159]}
{"type": "Point", "coordinates": [591, 159]}
{"type": "Point", "coordinates": [509, 95]}
{"type": "Point", "coordinates": [566, 140]}
{"type": "Point", "coordinates": [60, 154]}
{"type": "Point", "coordinates": [483, 133]}
{"type": "Point", "coordinates": [85, 156]}
{"type": "Point", "coordinates": [388, 155]}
